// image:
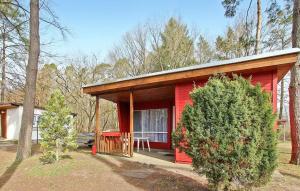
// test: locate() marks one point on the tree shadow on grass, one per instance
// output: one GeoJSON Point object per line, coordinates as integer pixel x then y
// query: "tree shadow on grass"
{"type": "Point", "coordinates": [8, 173]}
{"type": "Point", "coordinates": [149, 177]}
{"type": "Point", "coordinates": [8, 148]}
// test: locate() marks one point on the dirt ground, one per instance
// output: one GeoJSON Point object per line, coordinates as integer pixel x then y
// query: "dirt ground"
{"type": "Point", "coordinates": [82, 171]}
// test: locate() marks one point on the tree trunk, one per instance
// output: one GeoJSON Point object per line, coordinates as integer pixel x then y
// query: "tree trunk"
{"type": "Point", "coordinates": [258, 27]}
{"type": "Point", "coordinates": [3, 62]}
{"type": "Point", "coordinates": [57, 149]}
{"type": "Point", "coordinates": [295, 89]}
{"type": "Point", "coordinates": [281, 98]}
{"type": "Point", "coordinates": [24, 146]}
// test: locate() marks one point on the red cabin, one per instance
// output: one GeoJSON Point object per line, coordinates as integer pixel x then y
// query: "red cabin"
{"type": "Point", "coordinates": [150, 105]}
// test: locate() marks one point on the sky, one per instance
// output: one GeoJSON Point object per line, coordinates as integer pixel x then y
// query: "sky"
{"type": "Point", "coordinates": [96, 25]}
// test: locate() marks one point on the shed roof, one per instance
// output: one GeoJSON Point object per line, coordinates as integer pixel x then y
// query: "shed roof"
{"type": "Point", "coordinates": [8, 105]}
{"type": "Point", "coordinates": [279, 60]}
{"type": "Point", "coordinates": [11, 105]}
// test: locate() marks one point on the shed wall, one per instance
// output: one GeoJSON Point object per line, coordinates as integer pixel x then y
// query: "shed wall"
{"type": "Point", "coordinates": [268, 81]}
{"type": "Point", "coordinates": [14, 118]}
{"type": "Point", "coordinates": [13, 121]}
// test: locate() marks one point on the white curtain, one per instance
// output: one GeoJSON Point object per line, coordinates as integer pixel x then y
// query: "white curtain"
{"type": "Point", "coordinates": [151, 123]}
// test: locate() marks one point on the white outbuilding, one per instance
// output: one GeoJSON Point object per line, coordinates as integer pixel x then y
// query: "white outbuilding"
{"type": "Point", "coordinates": [11, 116]}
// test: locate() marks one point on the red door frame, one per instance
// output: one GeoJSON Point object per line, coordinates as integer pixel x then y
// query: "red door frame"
{"type": "Point", "coordinates": [3, 124]}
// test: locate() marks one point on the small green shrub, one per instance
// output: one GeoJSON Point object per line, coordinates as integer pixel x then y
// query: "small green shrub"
{"type": "Point", "coordinates": [48, 156]}
{"type": "Point", "coordinates": [228, 133]}
{"type": "Point", "coordinates": [57, 133]}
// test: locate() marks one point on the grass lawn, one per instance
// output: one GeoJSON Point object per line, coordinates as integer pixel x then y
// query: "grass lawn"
{"type": "Point", "coordinates": [82, 171]}
{"type": "Point", "coordinates": [287, 176]}
{"type": "Point", "coordinates": [284, 156]}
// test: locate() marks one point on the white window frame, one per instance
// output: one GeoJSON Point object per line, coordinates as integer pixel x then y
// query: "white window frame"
{"type": "Point", "coordinates": [36, 118]}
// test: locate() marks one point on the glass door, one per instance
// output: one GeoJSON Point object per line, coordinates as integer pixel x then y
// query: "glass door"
{"type": "Point", "coordinates": [151, 123]}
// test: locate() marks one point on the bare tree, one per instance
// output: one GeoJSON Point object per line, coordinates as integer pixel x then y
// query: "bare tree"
{"type": "Point", "coordinates": [78, 72]}
{"type": "Point", "coordinates": [24, 146]}
{"type": "Point", "coordinates": [230, 11]}
{"type": "Point", "coordinates": [238, 39]}
{"type": "Point", "coordinates": [133, 51]}
{"type": "Point", "coordinates": [13, 39]}
{"type": "Point", "coordinates": [278, 30]}
{"type": "Point", "coordinates": [154, 47]}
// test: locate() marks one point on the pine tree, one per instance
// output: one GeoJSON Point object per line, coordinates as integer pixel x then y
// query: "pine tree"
{"type": "Point", "coordinates": [230, 11]}
{"type": "Point", "coordinates": [12, 40]}
{"type": "Point", "coordinates": [177, 47]}
{"type": "Point", "coordinates": [235, 43]}
{"type": "Point", "coordinates": [205, 52]}
{"type": "Point", "coordinates": [58, 135]}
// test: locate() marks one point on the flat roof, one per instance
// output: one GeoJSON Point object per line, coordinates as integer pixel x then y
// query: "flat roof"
{"type": "Point", "coordinates": [102, 87]}
{"type": "Point", "coordinates": [206, 65]}
{"type": "Point", "coordinates": [10, 105]}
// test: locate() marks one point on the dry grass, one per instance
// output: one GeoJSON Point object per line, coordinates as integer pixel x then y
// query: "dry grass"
{"type": "Point", "coordinates": [287, 176]}
{"type": "Point", "coordinates": [285, 167]}
{"type": "Point", "coordinates": [82, 171]}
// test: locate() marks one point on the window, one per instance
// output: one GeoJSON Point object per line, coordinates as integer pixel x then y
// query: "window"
{"type": "Point", "coordinates": [151, 123]}
{"type": "Point", "coordinates": [36, 118]}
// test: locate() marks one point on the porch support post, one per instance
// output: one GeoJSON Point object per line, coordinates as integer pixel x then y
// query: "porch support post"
{"type": "Point", "coordinates": [131, 124]}
{"type": "Point", "coordinates": [97, 116]}
{"type": "Point", "coordinates": [97, 126]}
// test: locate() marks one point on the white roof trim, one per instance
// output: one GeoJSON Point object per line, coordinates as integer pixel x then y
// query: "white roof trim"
{"type": "Point", "coordinates": [206, 65]}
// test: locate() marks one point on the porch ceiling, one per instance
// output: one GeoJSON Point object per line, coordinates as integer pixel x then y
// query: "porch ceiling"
{"type": "Point", "coordinates": [142, 95]}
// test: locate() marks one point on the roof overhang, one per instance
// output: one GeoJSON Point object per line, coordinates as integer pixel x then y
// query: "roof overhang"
{"type": "Point", "coordinates": [281, 61]}
{"type": "Point", "coordinates": [11, 105]}
{"type": "Point", "coordinates": [4, 106]}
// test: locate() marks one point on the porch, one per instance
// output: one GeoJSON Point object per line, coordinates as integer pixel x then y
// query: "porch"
{"type": "Point", "coordinates": [144, 114]}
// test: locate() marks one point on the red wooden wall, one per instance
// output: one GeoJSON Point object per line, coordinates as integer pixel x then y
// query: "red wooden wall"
{"type": "Point", "coordinates": [123, 116]}
{"type": "Point", "coordinates": [268, 81]}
